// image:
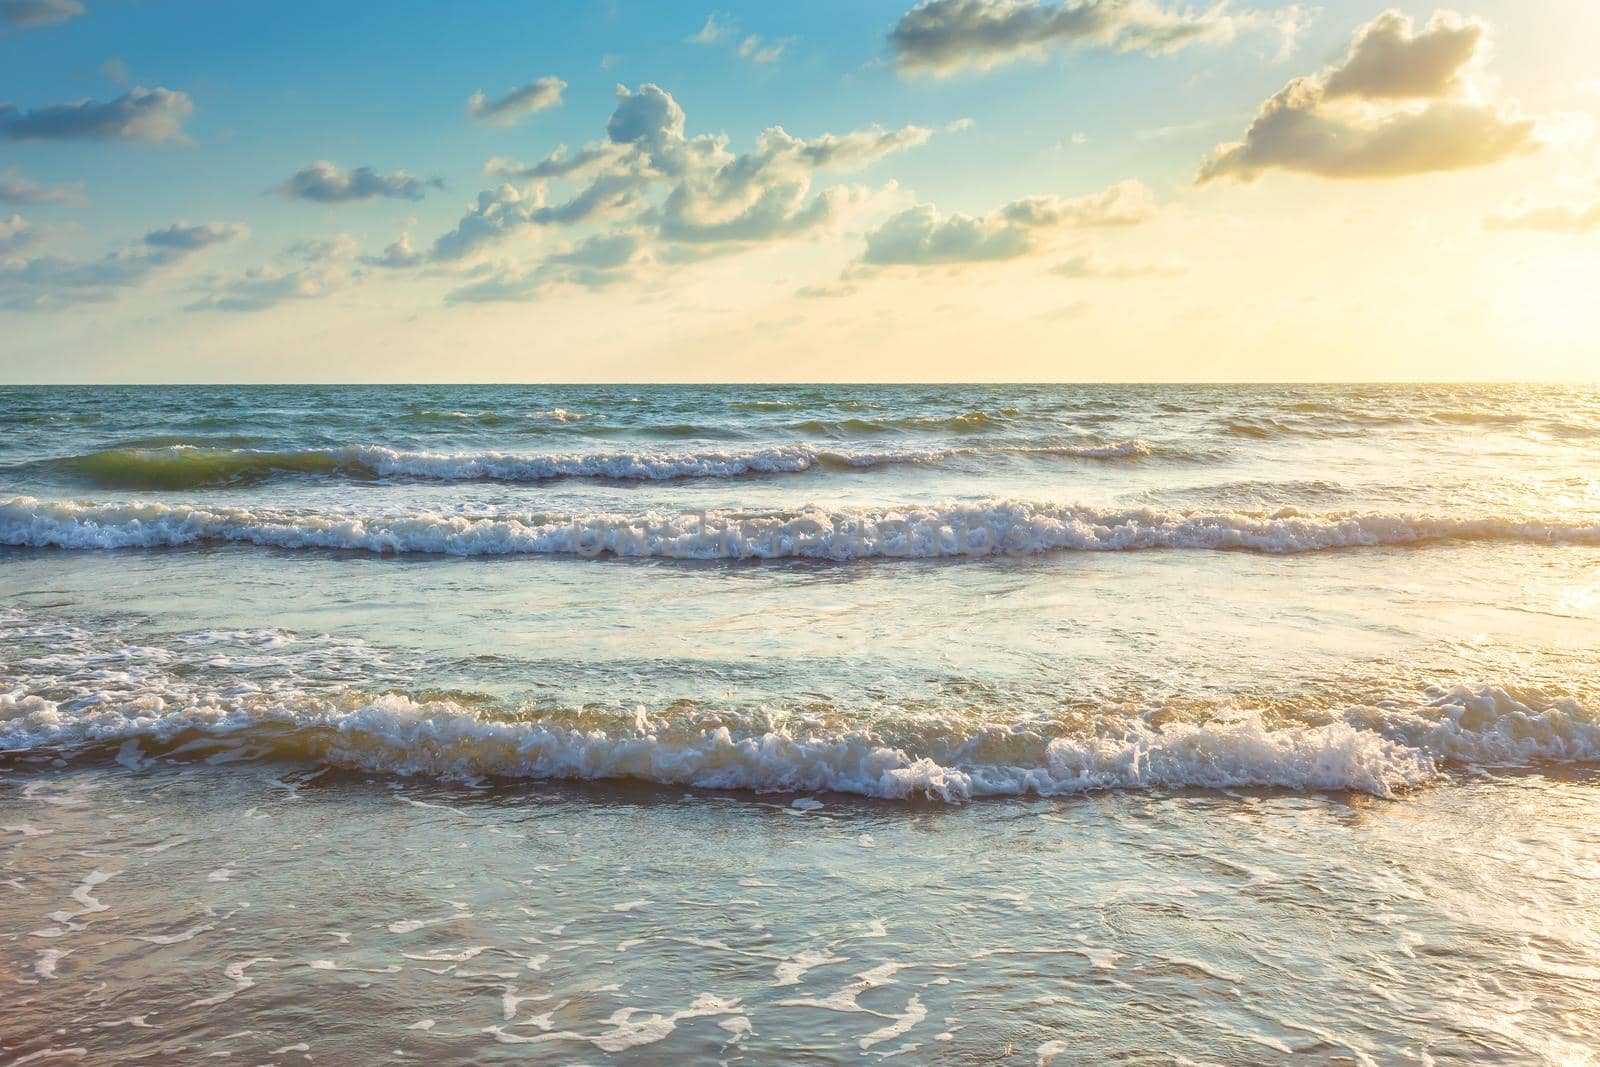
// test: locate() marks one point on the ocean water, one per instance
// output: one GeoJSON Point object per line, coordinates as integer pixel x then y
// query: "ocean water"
{"type": "Point", "coordinates": [1214, 724]}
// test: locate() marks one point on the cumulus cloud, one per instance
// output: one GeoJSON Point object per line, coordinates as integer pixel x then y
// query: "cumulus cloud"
{"type": "Point", "coordinates": [517, 104]}
{"type": "Point", "coordinates": [763, 194]}
{"type": "Point", "coordinates": [1400, 104]}
{"type": "Point", "coordinates": [497, 212]}
{"type": "Point", "coordinates": [396, 256]}
{"type": "Point", "coordinates": [940, 37]}
{"type": "Point", "coordinates": [328, 183]}
{"type": "Point", "coordinates": [923, 236]}
{"type": "Point", "coordinates": [140, 114]}
{"type": "Point", "coordinates": [1390, 60]}
{"type": "Point", "coordinates": [775, 211]}
{"type": "Point", "coordinates": [15, 188]}
{"type": "Point", "coordinates": [673, 187]}
{"type": "Point", "coordinates": [29, 14]}
{"type": "Point", "coordinates": [45, 282]}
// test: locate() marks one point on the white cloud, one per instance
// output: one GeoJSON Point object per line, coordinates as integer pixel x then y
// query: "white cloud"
{"type": "Point", "coordinates": [594, 263]}
{"type": "Point", "coordinates": [15, 188]}
{"type": "Point", "coordinates": [265, 287]}
{"type": "Point", "coordinates": [518, 104]}
{"type": "Point", "coordinates": [748, 46]}
{"type": "Point", "coordinates": [1084, 265]}
{"type": "Point", "coordinates": [924, 236]}
{"type": "Point", "coordinates": [16, 234]}
{"type": "Point", "coordinates": [708, 196]}
{"type": "Point", "coordinates": [1398, 105]}
{"type": "Point", "coordinates": [710, 33]}
{"type": "Point", "coordinates": [1569, 218]}
{"type": "Point", "coordinates": [341, 246]}
{"type": "Point", "coordinates": [45, 282]}
{"type": "Point", "coordinates": [1390, 60]}
{"type": "Point", "coordinates": [396, 256]}
{"type": "Point", "coordinates": [323, 267]}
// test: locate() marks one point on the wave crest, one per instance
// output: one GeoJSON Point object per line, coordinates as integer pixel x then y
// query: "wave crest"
{"type": "Point", "coordinates": [1381, 749]}
{"type": "Point", "coordinates": [946, 530]}
{"type": "Point", "coordinates": [196, 467]}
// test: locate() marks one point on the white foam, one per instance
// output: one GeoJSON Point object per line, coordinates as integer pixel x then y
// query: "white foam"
{"type": "Point", "coordinates": [643, 465]}
{"type": "Point", "coordinates": [944, 530]}
{"type": "Point", "coordinates": [949, 754]}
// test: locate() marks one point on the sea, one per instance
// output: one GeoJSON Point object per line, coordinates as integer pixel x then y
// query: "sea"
{"type": "Point", "coordinates": [1221, 724]}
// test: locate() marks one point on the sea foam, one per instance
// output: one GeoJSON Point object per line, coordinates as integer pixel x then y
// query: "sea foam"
{"type": "Point", "coordinates": [1382, 749]}
{"type": "Point", "coordinates": [944, 530]}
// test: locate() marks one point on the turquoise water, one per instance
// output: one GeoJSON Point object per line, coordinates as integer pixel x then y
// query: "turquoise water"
{"type": "Point", "coordinates": [957, 722]}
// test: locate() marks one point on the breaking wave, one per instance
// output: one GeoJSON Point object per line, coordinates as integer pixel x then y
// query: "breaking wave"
{"type": "Point", "coordinates": [982, 528]}
{"type": "Point", "coordinates": [1382, 749]}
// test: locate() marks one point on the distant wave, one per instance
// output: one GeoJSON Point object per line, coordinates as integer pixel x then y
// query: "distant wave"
{"type": "Point", "coordinates": [190, 467]}
{"type": "Point", "coordinates": [1309, 419]}
{"type": "Point", "coordinates": [488, 418]}
{"type": "Point", "coordinates": [967, 422]}
{"type": "Point", "coordinates": [1382, 749]}
{"type": "Point", "coordinates": [949, 530]}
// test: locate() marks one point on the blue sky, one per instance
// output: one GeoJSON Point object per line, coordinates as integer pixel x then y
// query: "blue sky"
{"type": "Point", "coordinates": [274, 88]}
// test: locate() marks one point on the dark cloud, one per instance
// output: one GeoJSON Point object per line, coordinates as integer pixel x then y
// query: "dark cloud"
{"type": "Point", "coordinates": [151, 115]}
{"type": "Point", "coordinates": [1396, 106]}
{"type": "Point", "coordinates": [30, 14]}
{"type": "Point", "coordinates": [17, 189]}
{"type": "Point", "coordinates": [518, 104]}
{"type": "Point", "coordinates": [942, 36]}
{"type": "Point", "coordinates": [328, 183]}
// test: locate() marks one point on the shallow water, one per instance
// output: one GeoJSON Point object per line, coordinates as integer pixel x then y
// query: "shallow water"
{"type": "Point", "coordinates": [1177, 722]}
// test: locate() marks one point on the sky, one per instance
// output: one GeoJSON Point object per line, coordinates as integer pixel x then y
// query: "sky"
{"type": "Point", "coordinates": [873, 190]}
